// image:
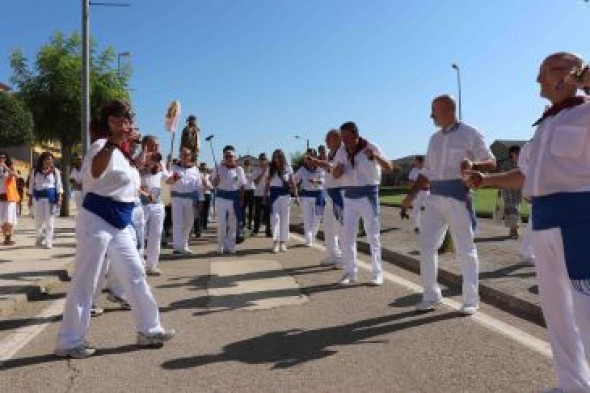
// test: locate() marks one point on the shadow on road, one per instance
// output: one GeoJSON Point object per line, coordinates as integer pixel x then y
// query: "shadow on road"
{"type": "Point", "coordinates": [292, 347]}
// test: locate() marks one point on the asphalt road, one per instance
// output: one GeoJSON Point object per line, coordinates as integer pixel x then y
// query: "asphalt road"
{"type": "Point", "coordinates": [342, 339]}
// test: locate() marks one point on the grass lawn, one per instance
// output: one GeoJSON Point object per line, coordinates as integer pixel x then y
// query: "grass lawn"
{"type": "Point", "coordinates": [485, 200]}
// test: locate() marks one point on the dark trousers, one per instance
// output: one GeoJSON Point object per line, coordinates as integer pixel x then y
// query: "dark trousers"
{"type": "Point", "coordinates": [261, 213]}
{"type": "Point", "coordinates": [248, 207]}
{"type": "Point", "coordinates": [202, 216]}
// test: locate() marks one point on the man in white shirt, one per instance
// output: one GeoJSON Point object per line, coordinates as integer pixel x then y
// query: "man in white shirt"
{"type": "Point", "coordinates": [249, 189]}
{"type": "Point", "coordinates": [454, 147]}
{"type": "Point", "coordinates": [419, 202]}
{"type": "Point", "coordinates": [359, 165]}
{"type": "Point", "coordinates": [261, 209]}
{"type": "Point", "coordinates": [556, 177]}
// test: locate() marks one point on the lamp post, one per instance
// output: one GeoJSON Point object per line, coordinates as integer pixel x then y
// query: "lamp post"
{"type": "Point", "coordinates": [306, 141]}
{"type": "Point", "coordinates": [119, 55]}
{"type": "Point", "coordinates": [456, 67]}
{"type": "Point", "coordinates": [85, 101]}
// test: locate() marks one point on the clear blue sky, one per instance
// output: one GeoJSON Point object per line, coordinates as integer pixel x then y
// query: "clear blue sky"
{"type": "Point", "coordinates": [258, 72]}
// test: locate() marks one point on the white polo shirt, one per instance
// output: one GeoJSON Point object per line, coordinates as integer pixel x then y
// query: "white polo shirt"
{"type": "Point", "coordinates": [414, 173]}
{"type": "Point", "coordinates": [276, 181]}
{"type": "Point", "coordinates": [331, 181]}
{"type": "Point", "coordinates": [259, 190]}
{"type": "Point", "coordinates": [447, 150]}
{"type": "Point", "coordinates": [231, 179]}
{"type": "Point", "coordinates": [190, 180]}
{"type": "Point", "coordinates": [364, 173]}
{"type": "Point", "coordinates": [249, 174]}
{"type": "Point", "coordinates": [305, 177]}
{"type": "Point", "coordinates": [151, 181]}
{"type": "Point", "coordinates": [559, 158]}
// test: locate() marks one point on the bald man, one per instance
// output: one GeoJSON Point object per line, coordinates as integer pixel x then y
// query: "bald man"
{"type": "Point", "coordinates": [454, 147]}
{"type": "Point", "coordinates": [556, 176]}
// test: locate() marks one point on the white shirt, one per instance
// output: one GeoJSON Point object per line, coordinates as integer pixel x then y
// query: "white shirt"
{"type": "Point", "coordinates": [116, 182]}
{"type": "Point", "coordinates": [152, 181]}
{"type": "Point", "coordinates": [276, 179]}
{"type": "Point", "coordinates": [76, 175]}
{"type": "Point", "coordinates": [364, 173]}
{"type": "Point", "coordinates": [414, 173]}
{"type": "Point", "coordinates": [559, 158]}
{"type": "Point", "coordinates": [259, 191]}
{"type": "Point", "coordinates": [190, 180]}
{"type": "Point", "coordinates": [305, 177]}
{"type": "Point", "coordinates": [249, 179]}
{"type": "Point", "coordinates": [41, 181]}
{"type": "Point", "coordinates": [206, 179]}
{"type": "Point", "coordinates": [447, 150]}
{"type": "Point", "coordinates": [331, 181]}
{"type": "Point", "coordinates": [231, 179]}
{"type": "Point", "coordinates": [3, 178]}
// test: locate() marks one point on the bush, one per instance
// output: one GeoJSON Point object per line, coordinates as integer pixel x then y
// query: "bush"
{"type": "Point", "coordinates": [16, 122]}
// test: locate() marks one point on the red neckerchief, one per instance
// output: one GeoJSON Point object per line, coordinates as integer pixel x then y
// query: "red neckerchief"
{"type": "Point", "coordinates": [566, 103]}
{"type": "Point", "coordinates": [228, 166]}
{"type": "Point", "coordinates": [360, 146]}
{"type": "Point", "coordinates": [125, 148]}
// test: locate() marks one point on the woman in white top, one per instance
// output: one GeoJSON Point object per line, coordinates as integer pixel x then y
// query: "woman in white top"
{"type": "Point", "coordinates": [229, 178]}
{"type": "Point", "coordinates": [313, 200]}
{"type": "Point", "coordinates": [46, 188]}
{"type": "Point", "coordinates": [279, 182]}
{"type": "Point", "coordinates": [102, 227]}
{"type": "Point", "coordinates": [186, 188]}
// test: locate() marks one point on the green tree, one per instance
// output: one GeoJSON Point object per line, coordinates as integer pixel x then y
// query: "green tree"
{"type": "Point", "coordinates": [16, 122]}
{"type": "Point", "coordinates": [51, 88]}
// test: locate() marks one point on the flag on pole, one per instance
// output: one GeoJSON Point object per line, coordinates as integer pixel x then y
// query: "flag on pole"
{"type": "Point", "coordinates": [172, 116]}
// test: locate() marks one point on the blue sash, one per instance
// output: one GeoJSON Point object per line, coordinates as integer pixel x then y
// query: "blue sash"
{"type": "Point", "coordinates": [570, 212]}
{"type": "Point", "coordinates": [276, 192]}
{"type": "Point", "coordinates": [337, 202]}
{"type": "Point", "coordinates": [369, 192]}
{"type": "Point", "coordinates": [320, 199]}
{"type": "Point", "coordinates": [156, 192]}
{"type": "Point", "coordinates": [116, 213]}
{"type": "Point", "coordinates": [49, 193]}
{"type": "Point", "coordinates": [455, 189]}
{"type": "Point", "coordinates": [185, 195]}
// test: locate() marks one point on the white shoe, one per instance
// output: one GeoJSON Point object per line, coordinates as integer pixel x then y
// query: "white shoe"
{"type": "Point", "coordinates": [283, 247]}
{"type": "Point", "coordinates": [48, 246]}
{"type": "Point", "coordinates": [308, 244]}
{"type": "Point", "coordinates": [188, 251]}
{"type": "Point", "coordinates": [347, 280]}
{"type": "Point", "coordinates": [468, 310]}
{"type": "Point", "coordinates": [275, 248]}
{"type": "Point", "coordinates": [427, 305]}
{"type": "Point", "coordinates": [527, 261]}
{"type": "Point", "coordinates": [377, 281]}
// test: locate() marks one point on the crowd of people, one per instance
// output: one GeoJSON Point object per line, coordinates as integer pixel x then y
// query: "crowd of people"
{"type": "Point", "coordinates": [118, 190]}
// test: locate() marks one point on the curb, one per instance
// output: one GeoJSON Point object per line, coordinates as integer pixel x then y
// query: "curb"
{"type": "Point", "coordinates": [13, 299]}
{"type": "Point", "coordinates": [488, 294]}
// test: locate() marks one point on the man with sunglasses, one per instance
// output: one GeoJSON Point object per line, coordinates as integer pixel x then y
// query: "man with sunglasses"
{"type": "Point", "coordinates": [230, 180]}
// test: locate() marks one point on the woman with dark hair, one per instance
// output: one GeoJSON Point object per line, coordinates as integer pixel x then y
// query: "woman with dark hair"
{"type": "Point", "coordinates": [46, 188]}
{"type": "Point", "coordinates": [9, 198]}
{"type": "Point", "coordinates": [313, 201]}
{"type": "Point", "coordinates": [279, 182]}
{"type": "Point", "coordinates": [102, 227]}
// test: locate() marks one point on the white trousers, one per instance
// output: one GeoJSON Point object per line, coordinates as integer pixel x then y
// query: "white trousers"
{"type": "Point", "coordinates": [279, 218]}
{"type": "Point", "coordinates": [44, 220]}
{"type": "Point", "coordinates": [8, 213]}
{"type": "Point", "coordinates": [526, 248]}
{"type": "Point", "coordinates": [442, 213]}
{"type": "Point", "coordinates": [332, 231]}
{"type": "Point", "coordinates": [153, 214]}
{"type": "Point", "coordinates": [95, 239]}
{"type": "Point", "coordinates": [107, 279]}
{"type": "Point", "coordinates": [566, 312]}
{"type": "Point", "coordinates": [138, 223]}
{"type": "Point", "coordinates": [418, 207]}
{"type": "Point", "coordinates": [77, 196]}
{"type": "Point", "coordinates": [311, 220]}
{"type": "Point", "coordinates": [354, 209]}
{"type": "Point", "coordinates": [227, 224]}
{"type": "Point", "coordinates": [183, 219]}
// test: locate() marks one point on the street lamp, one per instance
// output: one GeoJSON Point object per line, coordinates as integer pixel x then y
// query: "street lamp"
{"type": "Point", "coordinates": [119, 55]}
{"type": "Point", "coordinates": [306, 141]}
{"type": "Point", "coordinates": [456, 67]}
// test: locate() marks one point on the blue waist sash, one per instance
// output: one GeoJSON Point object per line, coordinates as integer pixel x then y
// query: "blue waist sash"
{"type": "Point", "coordinates": [320, 199]}
{"type": "Point", "coordinates": [276, 192]}
{"type": "Point", "coordinates": [570, 212]}
{"type": "Point", "coordinates": [116, 213]}
{"type": "Point", "coordinates": [156, 192]}
{"type": "Point", "coordinates": [49, 193]}
{"type": "Point", "coordinates": [455, 189]}
{"type": "Point", "coordinates": [185, 195]}
{"type": "Point", "coordinates": [335, 195]}
{"type": "Point", "coordinates": [369, 192]}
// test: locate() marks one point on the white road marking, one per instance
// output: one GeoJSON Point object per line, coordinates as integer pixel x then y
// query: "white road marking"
{"type": "Point", "coordinates": [540, 346]}
{"type": "Point", "coordinates": [17, 340]}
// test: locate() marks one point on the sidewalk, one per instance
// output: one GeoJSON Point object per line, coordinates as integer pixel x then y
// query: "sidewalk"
{"type": "Point", "coordinates": [28, 272]}
{"type": "Point", "coordinates": [503, 281]}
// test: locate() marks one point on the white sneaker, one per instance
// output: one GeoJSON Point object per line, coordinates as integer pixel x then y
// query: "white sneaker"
{"type": "Point", "coordinates": [154, 339]}
{"type": "Point", "coordinates": [347, 280]}
{"type": "Point", "coordinates": [283, 247]}
{"type": "Point", "coordinates": [188, 251]}
{"type": "Point", "coordinates": [48, 246]}
{"type": "Point", "coordinates": [427, 305]}
{"type": "Point", "coordinates": [308, 244]}
{"type": "Point", "coordinates": [275, 248]}
{"type": "Point", "coordinates": [468, 310]}
{"type": "Point", "coordinates": [377, 280]}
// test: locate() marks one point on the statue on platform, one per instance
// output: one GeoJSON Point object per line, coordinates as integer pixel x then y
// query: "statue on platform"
{"type": "Point", "coordinates": [191, 135]}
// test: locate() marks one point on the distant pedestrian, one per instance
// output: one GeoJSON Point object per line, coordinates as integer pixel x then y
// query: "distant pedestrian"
{"type": "Point", "coordinates": [249, 194]}
{"type": "Point", "coordinates": [419, 203]}
{"type": "Point", "coordinates": [456, 146]}
{"type": "Point", "coordinates": [20, 187]}
{"type": "Point", "coordinates": [261, 209]}
{"type": "Point", "coordinates": [512, 196]}
{"type": "Point", "coordinates": [76, 182]}
{"type": "Point", "coordinates": [9, 198]}
{"type": "Point", "coordinates": [556, 177]}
